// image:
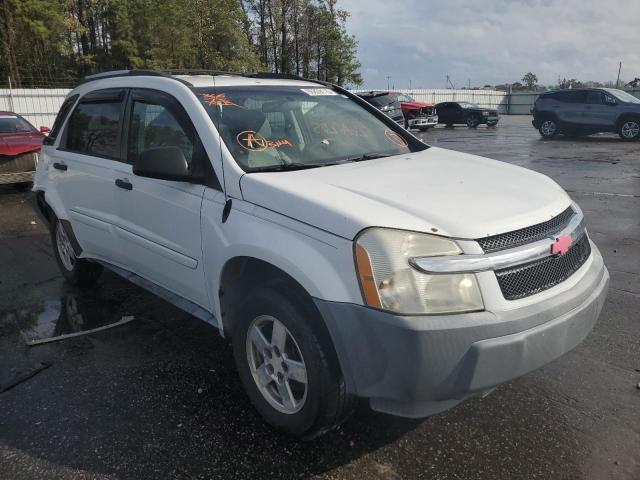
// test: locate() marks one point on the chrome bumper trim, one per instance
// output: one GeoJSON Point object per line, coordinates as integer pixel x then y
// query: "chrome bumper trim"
{"type": "Point", "coordinates": [501, 259]}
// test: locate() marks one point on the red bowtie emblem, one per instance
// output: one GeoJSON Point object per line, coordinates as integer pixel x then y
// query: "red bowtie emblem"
{"type": "Point", "coordinates": [561, 245]}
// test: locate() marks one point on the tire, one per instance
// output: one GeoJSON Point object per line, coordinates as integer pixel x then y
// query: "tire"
{"type": "Point", "coordinates": [76, 271]}
{"type": "Point", "coordinates": [491, 124]}
{"type": "Point", "coordinates": [629, 129]}
{"type": "Point", "coordinates": [423, 129]}
{"type": "Point", "coordinates": [548, 127]}
{"type": "Point", "coordinates": [473, 120]}
{"type": "Point", "coordinates": [317, 406]}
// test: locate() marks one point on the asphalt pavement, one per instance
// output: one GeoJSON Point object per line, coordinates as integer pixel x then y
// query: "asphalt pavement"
{"type": "Point", "coordinates": [159, 397]}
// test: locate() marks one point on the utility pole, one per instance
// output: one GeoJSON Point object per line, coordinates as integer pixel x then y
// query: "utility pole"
{"type": "Point", "coordinates": [409, 84]}
{"type": "Point", "coordinates": [618, 80]}
{"type": "Point", "coordinates": [388, 84]}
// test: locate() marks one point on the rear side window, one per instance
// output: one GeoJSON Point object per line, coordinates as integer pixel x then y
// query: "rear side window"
{"type": "Point", "coordinates": [60, 118]}
{"type": "Point", "coordinates": [594, 98]}
{"type": "Point", "coordinates": [94, 126]}
{"type": "Point", "coordinates": [568, 96]}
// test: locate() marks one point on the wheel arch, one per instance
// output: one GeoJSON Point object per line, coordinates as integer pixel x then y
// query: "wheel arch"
{"type": "Point", "coordinates": [241, 274]}
{"type": "Point", "coordinates": [623, 117]}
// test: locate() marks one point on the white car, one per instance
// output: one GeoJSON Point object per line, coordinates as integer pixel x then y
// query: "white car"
{"type": "Point", "coordinates": [342, 256]}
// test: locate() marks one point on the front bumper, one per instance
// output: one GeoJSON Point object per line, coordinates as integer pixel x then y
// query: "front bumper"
{"type": "Point", "coordinates": [421, 122]}
{"type": "Point", "coordinates": [416, 366]}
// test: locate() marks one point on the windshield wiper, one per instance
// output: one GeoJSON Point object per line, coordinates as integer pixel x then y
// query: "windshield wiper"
{"type": "Point", "coordinates": [284, 167]}
{"type": "Point", "coordinates": [366, 156]}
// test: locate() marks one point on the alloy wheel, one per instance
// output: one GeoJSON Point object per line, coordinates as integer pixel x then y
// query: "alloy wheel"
{"type": "Point", "coordinates": [65, 250]}
{"type": "Point", "coordinates": [630, 129]}
{"type": "Point", "coordinates": [276, 364]}
{"type": "Point", "coordinates": [548, 128]}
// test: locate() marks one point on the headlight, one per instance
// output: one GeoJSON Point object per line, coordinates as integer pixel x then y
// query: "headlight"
{"type": "Point", "coordinates": [390, 283]}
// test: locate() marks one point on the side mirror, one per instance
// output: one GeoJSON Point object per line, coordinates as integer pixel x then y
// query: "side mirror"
{"type": "Point", "coordinates": [45, 129]}
{"type": "Point", "coordinates": [164, 163]}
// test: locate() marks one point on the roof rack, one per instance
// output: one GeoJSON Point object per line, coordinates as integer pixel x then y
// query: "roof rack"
{"type": "Point", "coordinates": [171, 73]}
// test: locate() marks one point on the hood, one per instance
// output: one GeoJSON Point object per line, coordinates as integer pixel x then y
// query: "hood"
{"type": "Point", "coordinates": [12, 144]}
{"type": "Point", "coordinates": [460, 195]}
{"type": "Point", "coordinates": [416, 105]}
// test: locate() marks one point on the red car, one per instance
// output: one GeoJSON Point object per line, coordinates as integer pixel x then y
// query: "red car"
{"type": "Point", "coordinates": [418, 115]}
{"type": "Point", "coordinates": [20, 143]}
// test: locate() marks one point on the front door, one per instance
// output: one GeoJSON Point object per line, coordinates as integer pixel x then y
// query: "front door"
{"type": "Point", "coordinates": [159, 220]}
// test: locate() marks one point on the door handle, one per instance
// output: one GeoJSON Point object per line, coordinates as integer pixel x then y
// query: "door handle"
{"type": "Point", "coordinates": [60, 166]}
{"type": "Point", "coordinates": [125, 184]}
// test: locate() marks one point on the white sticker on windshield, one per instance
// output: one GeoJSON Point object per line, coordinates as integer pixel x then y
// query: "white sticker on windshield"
{"type": "Point", "coordinates": [316, 92]}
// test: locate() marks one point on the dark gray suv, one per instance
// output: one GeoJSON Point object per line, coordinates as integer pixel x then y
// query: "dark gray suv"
{"type": "Point", "coordinates": [587, 110]}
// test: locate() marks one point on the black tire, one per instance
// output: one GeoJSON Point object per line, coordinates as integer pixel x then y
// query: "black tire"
{"type": "Point", "coordinates": [82, 272]}
{"type": "Point", "coordinates": [629, 129]}
{"type": "Point", "coordinates": [327, 403]}
{"type": "Point", "coordinates": [473, 120]}
{"type": "Point", "coordinates": [548, 127]}
{"type": "Point", "coordinates": [423, 129]}
{"type": "Point", "coordinates": [491, 124]}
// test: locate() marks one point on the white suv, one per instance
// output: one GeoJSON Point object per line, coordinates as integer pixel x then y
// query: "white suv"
{"type": "Point", "coordinates": [342, 256]}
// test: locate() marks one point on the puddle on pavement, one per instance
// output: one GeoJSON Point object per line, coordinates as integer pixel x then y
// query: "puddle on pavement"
{"type": "Point", "coordinates": [67, 315]}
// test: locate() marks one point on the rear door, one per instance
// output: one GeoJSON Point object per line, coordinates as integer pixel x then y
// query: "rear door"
{"type": "Point", "coordinates": [158, 225]}
{"type": "Point", "coordinates": [81, 173]}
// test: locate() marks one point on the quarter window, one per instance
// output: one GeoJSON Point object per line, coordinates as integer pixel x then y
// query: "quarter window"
{"type": "Point", "coordinates": [94, 129]}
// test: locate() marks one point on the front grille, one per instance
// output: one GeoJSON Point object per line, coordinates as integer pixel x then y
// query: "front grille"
{"type": "Point", "coordinates": [534, 277]}
{"type": "Point", "coordinates": [527, 234]}
{"type": "Point", "coordinates": [24, 162]}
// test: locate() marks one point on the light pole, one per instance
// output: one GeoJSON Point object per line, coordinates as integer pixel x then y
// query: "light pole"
{"type": "Point", "coordinates": [388, 84]}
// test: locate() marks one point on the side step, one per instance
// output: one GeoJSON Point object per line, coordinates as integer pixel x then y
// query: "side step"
{"type": "Point", "coordinates": [180, 302]}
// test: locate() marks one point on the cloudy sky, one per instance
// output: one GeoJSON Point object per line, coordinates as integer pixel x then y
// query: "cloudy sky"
{"type": "Point", "coordinates": [494, 41]}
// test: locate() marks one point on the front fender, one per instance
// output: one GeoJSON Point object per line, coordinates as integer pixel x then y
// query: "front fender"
{"type": "Point", "coordinates": [320, 262]}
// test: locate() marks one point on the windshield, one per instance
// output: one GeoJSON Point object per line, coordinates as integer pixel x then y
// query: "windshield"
{"type": "Point", "coordinates": [623, 96]}
{"type": "Point", "coordinates": [272, 128]}
{"type": "Point", "coordinates": [15, 124]}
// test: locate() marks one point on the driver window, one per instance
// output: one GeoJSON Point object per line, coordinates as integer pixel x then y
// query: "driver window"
{"type": "Point", "coordinates": [154, 125]}
{"type": "Point", "coordinates": [594, 98]}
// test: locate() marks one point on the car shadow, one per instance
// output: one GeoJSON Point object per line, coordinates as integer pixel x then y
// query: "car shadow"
{"type": "Point", "coordinates": [155, 398]}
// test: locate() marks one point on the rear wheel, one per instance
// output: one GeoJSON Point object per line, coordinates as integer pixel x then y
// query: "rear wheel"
{"type": "Point", "coordinates": [630, 129]}
{"type": "Point", "coordinates": [77, 271]}
{"type": "Point", "coordinates": [548, 128]}
{"type": "Point", "coordinates": [473, 120]}
{"type": "Point", "coordinates": [287, 369]}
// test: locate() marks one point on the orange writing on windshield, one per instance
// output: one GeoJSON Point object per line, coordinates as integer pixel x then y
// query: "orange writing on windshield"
{"type": "Point", "coordinates": [250, 140]}
{"type": "Point", "coordinates": [219, 99]}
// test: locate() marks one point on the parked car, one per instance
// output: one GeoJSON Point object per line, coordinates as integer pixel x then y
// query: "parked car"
{"type": "Point", "coordinates": [585, 111]}
{"type": "Point", "coordinates": [20, 143]}
{"type": "Point", "coordinates": [469, 114]}
{"type": "Point", "coordinates": [418, 115]}
{"type": "Point", "coordinates": [387, 103]}
{"type": "Point", "coordinates": [342, 256]}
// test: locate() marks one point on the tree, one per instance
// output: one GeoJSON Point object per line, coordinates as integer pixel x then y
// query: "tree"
{"type": "Point", "coordinates": [530, 80]}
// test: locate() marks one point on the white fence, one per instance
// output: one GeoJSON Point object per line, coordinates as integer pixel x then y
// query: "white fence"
{"type": "Point", "coordinates": [38, 105]}
{"type": "Point", "coordinates": [41, 105]}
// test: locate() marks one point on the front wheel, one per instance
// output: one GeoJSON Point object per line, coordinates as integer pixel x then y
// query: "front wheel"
{"type": "Point", "coordinates": [473, 120]}
{"type": "Point", "coordinates": [286, 367]}
{"type": "Point", "coordinates": [630, 129]}
{"type": "Point", "coordinates": [548, 128]}
{"type": "Point", "coordinates": [76, 271]}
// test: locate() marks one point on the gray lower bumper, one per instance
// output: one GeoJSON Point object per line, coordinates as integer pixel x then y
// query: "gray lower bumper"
{"type": "Point", "coordinates": [17, 177]}
{"type": "Point", "coordinates": [416, 366]}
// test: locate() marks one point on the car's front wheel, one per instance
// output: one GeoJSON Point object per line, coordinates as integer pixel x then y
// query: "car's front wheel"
{"type": "Point", "coordinates": [289, 372]}
{"type": "Point", "coordinates": [548, 128]}
{"type": "Point", "coordinates": [473, 120]}
{"type": "Point", "coordinates": [77, 271]}
{"type": "Point", "coordinates": [630, 129]}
